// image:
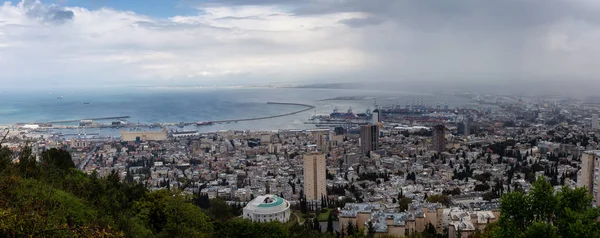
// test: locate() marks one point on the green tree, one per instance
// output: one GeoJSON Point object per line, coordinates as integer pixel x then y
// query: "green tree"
{"type": "Point", "coordinates": [370, 230]}
{"type": "Point", "coordinates": [429, 231]}
{"type": "Point", "coordinates": [330, 223]}
{"type": "Point", "coordinates": [541, 229]}
{"type": "Point", "coordinates": [350, 228]}
{"type": "Point", "coordinates": [315, 224]}
{"type": "Point", "coordinates": [566, 214]}
{"type": "Point", "coordinates": [542, 200]}
{"type": "Point", "coordinates": [5, 159]}
{"type": "Point", "coordinates": [267, 188]}
{"type": "Point", "coordinates": [439, 198]}
{"type": "Point", "coordinates": [238, 227]}
{"type": "Point", "coordinates": [219, 210]}
{"type": "Point", "coordinates": [169, 215]}
{"type": "Point", "coordinates": [58, 159]}
{"type": "Point", "coordinates": [28, 167]}
{"type": "Point", "coordinates": [403, 204]}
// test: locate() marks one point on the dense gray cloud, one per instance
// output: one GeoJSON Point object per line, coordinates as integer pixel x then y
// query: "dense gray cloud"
{"type": "Point", "coordinates": [510, 12]}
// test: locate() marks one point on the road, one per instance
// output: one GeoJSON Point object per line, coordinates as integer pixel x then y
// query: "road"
{"type": "Point", "coordinates": [89, 156]}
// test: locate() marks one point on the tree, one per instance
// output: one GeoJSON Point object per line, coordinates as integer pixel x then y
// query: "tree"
{"type": "Point", "coordinates": [350, 229]}
{"type": "Point", "coordinates": [330, 223]}
{"type": "Point", "coordinates": [542, 200]}
{"type": "Point", "coordinates": [58, 159]}
{"type": "Point", "coordinates": [458, 232]}
{"type": "Point", "coordinates": [171, 216]}
{"type": "Point", "coordinates": [439, 198]}
{"type": "Point", "coordinates": [28, 166]}
{"type": "Point", "coordinates": [403, 204]}
{"type": "Point", "coordinates": [429, 231]}
{"type": "Point", "coordinates": [566, 214]}
{"type": "Point", "coordinates": [316, 226]}
{"type": "Point", "coordinates": [201, 200]}
{"type": "Point", "coordinates": [268, 188]}
{"type": "Point", "coordinates": [541, 229]}
{"type": "Point", "coordinates": [5, 158]}
{"type": "Point", "coordinates": [488, 196]}
{"type": "Point", "coordinates": [219, 210]}
{"type": "Point", "coordinates": [370, 229]}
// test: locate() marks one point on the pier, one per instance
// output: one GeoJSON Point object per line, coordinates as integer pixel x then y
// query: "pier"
{"type": "Point", "coordinates": [85, 119]}
{"type": "Point", "coordinates": [307, 107]}
{"type": "Point", "coordinates": [337, 123]}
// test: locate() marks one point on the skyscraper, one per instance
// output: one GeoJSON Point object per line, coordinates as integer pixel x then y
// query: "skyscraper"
{"type": "Point", "coordinates": [438, 142]}
{"type": "Point", "coordinates": [369, 138]}
{"type": "Point", "coordinates": [315, 179]}
{"type": "Point", "coordinates": [322, 142]}
{"type": "Point", "coordinates": [375, 117]}
{"type": "Point", "coordinates": [587, 177]}
{"type": "Point", "coordinates": [466, 121]}
{"type": "Point", "coordinates": [595, 122]}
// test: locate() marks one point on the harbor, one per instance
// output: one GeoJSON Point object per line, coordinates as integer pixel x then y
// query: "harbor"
{"type": "Point", "coordinates": [123, 123]}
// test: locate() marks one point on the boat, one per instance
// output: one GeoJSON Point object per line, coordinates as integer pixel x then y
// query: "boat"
{"type": "Point", "coordinates": [204, 123]}
{"type": "Point", "coordinates": [86, 103]}
{"type": "Point", "coordinates": [60, 97]}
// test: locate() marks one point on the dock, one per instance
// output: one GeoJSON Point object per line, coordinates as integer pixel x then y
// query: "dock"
{"type": "Point", "coordinates": [307, 107]}
{"type": "Point", "coordinates": [85, 119]}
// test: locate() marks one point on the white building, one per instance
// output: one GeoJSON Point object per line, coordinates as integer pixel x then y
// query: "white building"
{"type": "Point", "coordinates": [268, 208]}
{"type": "Point", "coordinates": [595, 122]}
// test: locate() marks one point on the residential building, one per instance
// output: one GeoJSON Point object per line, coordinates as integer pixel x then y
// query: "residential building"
{"type": "Point", "coordinates": [588, 176]}
{"type": "Point", "coordinates": [438, 141]}
{"type": "Point", "coordinates": [369, 138]}
{"type": "Point", "coordinates": [322, 142]}
{"type": "Point", "coordinates": [315, 179]}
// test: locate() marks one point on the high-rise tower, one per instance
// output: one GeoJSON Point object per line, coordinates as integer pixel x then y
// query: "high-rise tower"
{"type": "Point", "coordinates": [439, 138]}
{"type": "Point", "coordinates": [586, 176]}
{"type": "Point", "coordinates": [369, 138]}
{"type": "Point", "coordinates": [315, 179]}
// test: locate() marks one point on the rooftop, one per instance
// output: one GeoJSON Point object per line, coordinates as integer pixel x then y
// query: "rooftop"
{"type": "Point", "coordinates": [593, 152]}
{"type": "Point", "coordinates": [351, 209]}
{"type": "Point", "coordinates": [271, 202]}
{"type": "Point", "coordinates": [267, 204]}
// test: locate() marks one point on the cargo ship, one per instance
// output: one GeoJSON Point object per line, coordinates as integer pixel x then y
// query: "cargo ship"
{"type": "Point", "coordinates": [204, 123]}
{"type": "Point", "coordinates": [341, 115]}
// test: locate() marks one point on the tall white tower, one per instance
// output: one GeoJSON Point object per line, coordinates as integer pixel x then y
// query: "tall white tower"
{"type": "Point", "coordinates": [375, 117]}
{"type": "Point", "coordinates": [595, 122]}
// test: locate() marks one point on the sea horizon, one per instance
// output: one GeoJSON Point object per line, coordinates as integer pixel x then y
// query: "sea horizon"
{"type": "Point", "coordinates": [194, 104]}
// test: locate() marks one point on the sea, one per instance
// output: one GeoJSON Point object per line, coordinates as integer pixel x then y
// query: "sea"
{"type": "Point", "coordinates": [147, 105]}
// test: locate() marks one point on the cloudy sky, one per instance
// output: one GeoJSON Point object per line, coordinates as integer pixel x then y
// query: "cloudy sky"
{"type": "Point", "coordinates": [156, 42]}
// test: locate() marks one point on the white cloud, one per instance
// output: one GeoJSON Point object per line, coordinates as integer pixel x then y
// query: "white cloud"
{"type": "Point", "coordinates": [222, 44]}
{"type": "Point", "coordinates": [315, 40]}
